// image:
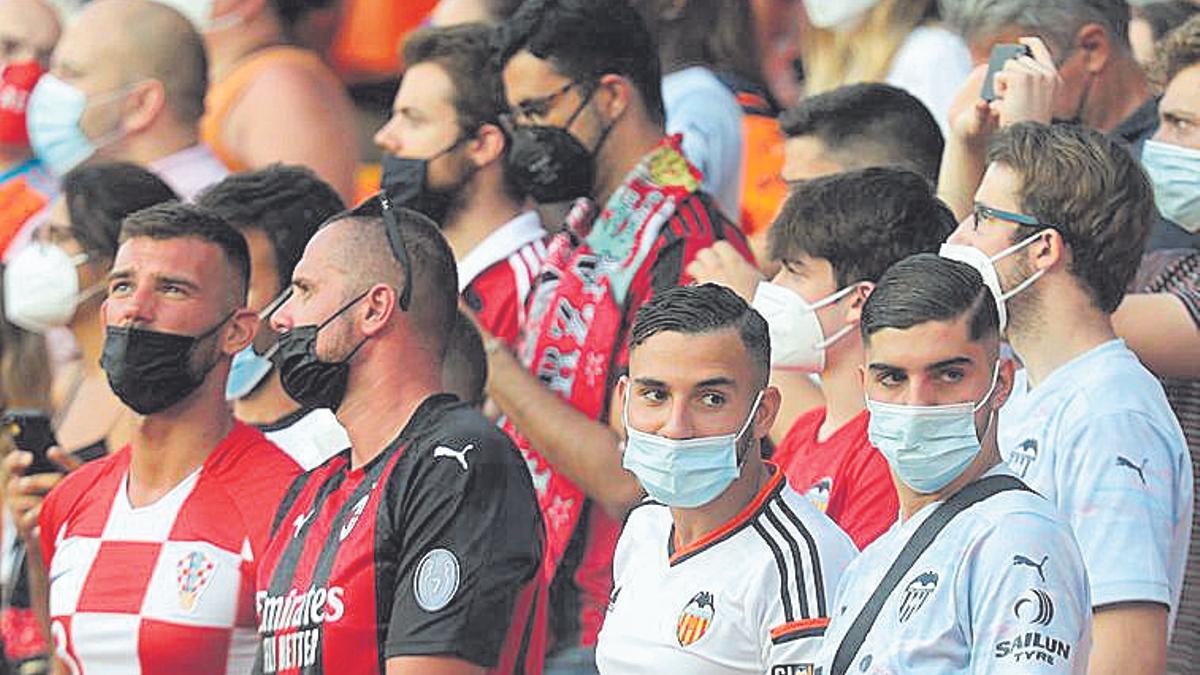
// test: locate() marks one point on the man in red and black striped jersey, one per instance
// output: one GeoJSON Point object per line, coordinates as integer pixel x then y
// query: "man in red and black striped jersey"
{"type": "Point", "coordinates": [445, 155]}
{"type": "Point", "coordinates": [586, 121]}
{"type": "Point", "coordinates": [417, 549]}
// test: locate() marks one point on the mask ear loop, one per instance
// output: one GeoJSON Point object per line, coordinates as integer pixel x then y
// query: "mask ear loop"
{"type": "Point", "coordinates": [1013, 249]}
{"type": "Point", "coordinates": [745, 426]}
{"type": "Point", "coordinates": [844, 330]}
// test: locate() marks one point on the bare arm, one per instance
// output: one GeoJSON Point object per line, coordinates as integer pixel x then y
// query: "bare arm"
{"type": "Point", "coordinates": [288, 115]}
{"type": "Point", "coordinates": [1129, 637]}
{"type": "Point", "coordinates": [582, 449]}
{"type": "Point", "coordinates": [431, 665]}
{"type": "Point", "coordinates": [1161, 332]}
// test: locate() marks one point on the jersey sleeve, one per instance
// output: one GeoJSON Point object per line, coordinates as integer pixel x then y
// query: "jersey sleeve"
{"type": "Point", "coordinates": [469, 542]}
{"type": "Point", "coordinates": [1023, 600]}
{"type": "Point", "coordinates": [1120, 496]}
{"type": "Point", "coordinates": [867, 505]}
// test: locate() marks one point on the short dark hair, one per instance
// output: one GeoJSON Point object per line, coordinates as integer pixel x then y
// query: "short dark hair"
{"type": "Point", "coordinates": [927, 287]}
{"type": "Point", "coordinates": [1094, 192]}
{"type": "Point", "coordinates": [464, 370]}
{"type": "Point", "coordinates": [862, 222]}
{"type": "Point", "coordinates": [585, 39]}
{"type": "Point", "coordinates": [870, 125]}
{"type": "Point", "coordinates": [434, 297]}
{"type": "Point", "coordinates": [287, 202]}
{"type": "Point", "coordinates": [99, 196]}
{"type": "Point", "coordinates": [176, 220]}
{"type": "Point", "coordinates": [700, 309]}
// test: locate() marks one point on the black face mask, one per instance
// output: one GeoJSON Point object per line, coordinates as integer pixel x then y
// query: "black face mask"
{"type": "Point", "coordinates": [151, 371]}
{"type": "Point", "coordinates": [311, 382]}
{"type": "Point", "coordinates": [550, 164]}
{"type": "Point", "coordinates": [406, 182]}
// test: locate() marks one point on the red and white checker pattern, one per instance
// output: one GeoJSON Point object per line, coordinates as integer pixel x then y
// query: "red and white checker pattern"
{"type": "Point", "coordinates": [168, 587]}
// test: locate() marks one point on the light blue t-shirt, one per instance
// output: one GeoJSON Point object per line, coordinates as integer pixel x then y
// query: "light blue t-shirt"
{"type": "Point", "coordinates": [1098, 438]}
{"type": "Point", "coordinates": [710, 119]}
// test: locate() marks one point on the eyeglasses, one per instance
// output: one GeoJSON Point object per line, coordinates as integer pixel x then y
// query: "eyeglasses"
{"type": "Point", "coordinates": [399, 249]}
{"type": "Point", "coordinates": [538, 107]}
{"type": "Point", "coordinates": [983, 212]}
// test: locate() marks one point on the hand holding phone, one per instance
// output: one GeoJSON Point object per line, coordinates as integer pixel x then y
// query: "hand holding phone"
{"type": "Point", "coordinates": [1001, 54]}
{"type": "Point", "coordinates": [30, 431]}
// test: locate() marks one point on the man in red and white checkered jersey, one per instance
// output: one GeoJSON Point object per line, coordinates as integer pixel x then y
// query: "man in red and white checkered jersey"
{"type": "Point", "coordinates": [445, 157]}
{"type": "Point", "coordinates": [152, 551]}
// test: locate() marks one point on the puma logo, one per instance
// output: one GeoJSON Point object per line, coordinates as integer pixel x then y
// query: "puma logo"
{"type": "Point", "coordinates": [299, 523]}
{"type": "Point", "coordinates": [1022, 560]}
{"type": "Point", "coordinates": [1141, 470]}
{"type": "Point", "coordinates": [459, 455]}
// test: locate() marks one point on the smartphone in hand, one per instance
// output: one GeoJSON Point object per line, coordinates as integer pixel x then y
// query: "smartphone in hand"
{"type": "Point", "coordinates": [1001, 54]}
{"type": "Point", "coordinates": [30, 431]}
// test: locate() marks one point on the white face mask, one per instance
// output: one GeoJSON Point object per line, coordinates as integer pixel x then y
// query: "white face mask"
{"type": "Point", "coordinates": [41, 287]}
{"type": "Point", "coordinates": [836, 14]}
{"type": "Point", "coordinates": [797, 341]}
{"type": "Point", "coordinates": [986, 266]}
{"type": "Point", "coordinates": [200, 13]}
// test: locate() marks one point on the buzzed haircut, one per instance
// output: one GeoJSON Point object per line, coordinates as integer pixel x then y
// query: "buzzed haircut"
{"type": "Point", "coordinates": [702, 309]}
{"type": "Point", "coordinates": [862, 222]}
{"type": "Point", "coordinates": [586, 39]}
{"type": "Point", "coordinates": [870, 124]}
{"type": "Point", "coordinates": [99, 197]}
{"type": "Point", "coordinates": [927, 287]}
{"type": "Point", "coordinates": [167, 48]}
{"type": "Point", "coordinates": [287, 202]}
{"type": "Point", "coordinates": [177, 220]}
{"type": "Point", "coordinates": [1091, 190]}
{"type": "Point", "coordinates": [367, 257]}
{"type": "Point", "coordinates": [464, 370]}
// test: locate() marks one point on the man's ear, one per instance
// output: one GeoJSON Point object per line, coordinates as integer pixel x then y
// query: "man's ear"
{"type": "Point", "coordinates": [487, 146]}
{"type": "Point", "coordinates": [380, 303]}
{"type": "Point", "coordinates": [768, 410]}
{"type": "Point", "coordinates": [1048, 251]}
{"type": "Point", "coordinates": [1096, 46]}
{"type": "Point", "coordinates": [858, 300]}
{"type": "Point", "coordinates": [613, 96]}
{"type": "Point", "coordinates": [243, 327]}
{"type": "Point", "coordinates": [1004, 383]}
{"type": "Point", "coordinates": [145, 103]}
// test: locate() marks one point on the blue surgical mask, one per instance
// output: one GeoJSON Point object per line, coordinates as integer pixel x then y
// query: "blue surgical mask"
{"type": "Point", "coordinates": [53, 114]}
{"type": "Point", "coordinates": [686, 473]}
{"type": "Point", "coordinates": [1175, 174]}
{"type": "Point", "coordinates": [927, 446]}
{"type": "Point", "coordinates": [246, 373]}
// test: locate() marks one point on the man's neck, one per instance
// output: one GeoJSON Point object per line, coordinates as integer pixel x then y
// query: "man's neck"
{"type": "Point", "coordinates": [989, 456]}
{"type": "Point", "coordinates": [1117, 95]}
{"type": "Point", "coordinates": [227, 48]}
{"type": "Point", "coordinates": [168, 446]}
{"type": "Point", "coordinates": [1047, 344]}
{"type": "Point", "coordinates": [156, 144]}
{"type": "Point", "coordinates": [267, 404]}
{"type": "Point", "coordinates": [623, 150]}
{"type": "Point", "coordinates": [693, 524]}
{"type": "Point", "coordinates": [380, 401]}
{"type": "Point", "coordinates": [482, 215]}
{"type": "Point", "coordinates": [843, 390]}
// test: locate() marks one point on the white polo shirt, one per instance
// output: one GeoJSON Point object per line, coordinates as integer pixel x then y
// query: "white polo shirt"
{"type": "Point", "coordinates": [750, 597]}
{"type": "Point", "coordinates": [1098, 438]}
{"type": "Point", "coordinates": [1002, 589]}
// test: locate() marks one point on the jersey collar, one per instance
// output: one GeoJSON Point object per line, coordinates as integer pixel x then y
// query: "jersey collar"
{"type": "Point", "coordinates": [525, 229]}
{"type": "Point", "coordinates": [733, 526]}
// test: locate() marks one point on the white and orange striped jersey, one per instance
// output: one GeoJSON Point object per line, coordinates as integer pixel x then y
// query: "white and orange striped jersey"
{"type": "Point", "coordinates": [494, 278]}
{"type": "Point", "coordinates": [752, 596]}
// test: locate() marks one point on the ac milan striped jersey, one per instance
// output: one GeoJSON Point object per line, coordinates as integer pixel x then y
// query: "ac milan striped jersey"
{"type": "Point", "coordinates": [167, 587]}
{"type": "Point", "coordinates": [495, 277]}
{"type": "Point", "coordinates": [429, 549]}
{"type": "Point", "coordinates": [752, 596]}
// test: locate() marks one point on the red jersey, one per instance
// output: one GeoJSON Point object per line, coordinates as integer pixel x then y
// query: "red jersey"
{"type": "Point", "coordinates": [495, 277]}
{"type": "Point", "coordinates": [167, 587]}
{"type": "Point", "coordinates": [431, 548]}
{"type": "Point", "coordinates": [844, 475]}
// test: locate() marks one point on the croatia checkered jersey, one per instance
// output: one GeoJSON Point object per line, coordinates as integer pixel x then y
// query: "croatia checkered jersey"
{"type": "Point", "coordinates": [430, 549]}
{"type": "Point", "coordinates": [167, 587]}
{"type": "Point", "coordinates": [752, 596]}
{"type": "Point", "coordinates": [494, 278]}
{"type": "Point", "coordinates": [1001, 589]}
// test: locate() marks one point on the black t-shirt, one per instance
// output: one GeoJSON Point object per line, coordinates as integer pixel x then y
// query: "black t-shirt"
{"type": "Point", "coordinates": [432, 548]}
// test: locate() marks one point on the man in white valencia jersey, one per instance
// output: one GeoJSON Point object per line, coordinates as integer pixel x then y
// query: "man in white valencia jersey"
{"type": "Point", "coordinates": [724, 569]}
{"type": "Point", "coordinates": [980, 574]}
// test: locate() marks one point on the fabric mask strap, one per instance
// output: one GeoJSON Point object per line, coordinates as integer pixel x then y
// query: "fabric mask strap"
{"type": "Point", "coordinates": [991, 390]}
{"type": "Point", "coordinates": [1013, 249]}
{"type": "Point", "coordinates": [345, 307]}
{"type": "Point", "coordinates": [825, 302]}
{"type": "Point", "coordinates": [745, 426]}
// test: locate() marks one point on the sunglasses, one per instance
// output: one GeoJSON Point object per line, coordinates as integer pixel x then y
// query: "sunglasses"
{"type": "Point", "coordinates": [399, 250]}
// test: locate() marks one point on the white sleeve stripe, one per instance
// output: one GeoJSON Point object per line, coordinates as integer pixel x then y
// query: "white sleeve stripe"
{"type": "Point", "coordinates": [818, 583]}
{"type": "Point", "coordinates": [797, 578]}
{"type": "Point", "coordinates": [784, 590]}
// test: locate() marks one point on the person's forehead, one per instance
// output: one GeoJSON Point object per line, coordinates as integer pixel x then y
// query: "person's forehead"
{"type": "Point", "coordinates": [24, 22]}
{"type": "Point", "coordinates": [83, 48]}
{"type": "Point", "coordinates": [1000, 188]}
{"type": "Point", "coordinates": [196, 259]}
{"type": "Point", "coordinates": [925, 344]}
{"type": "Point", "coordinates": [981, 46]}
{"type": "Point", "coordinates": [1182, 95]}
{"type": "Point", "coordinates": [684, 360]}
{"type": "Point", "coordinates": [526, 76]}
{"type": "Point", "coordinates": [425, 86]}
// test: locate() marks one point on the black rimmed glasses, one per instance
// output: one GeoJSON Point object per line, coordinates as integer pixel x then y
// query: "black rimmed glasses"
{"type": "Point", "coordinates": [983, 212]}
{"type": "Point", "coordinates": [536, 108]}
